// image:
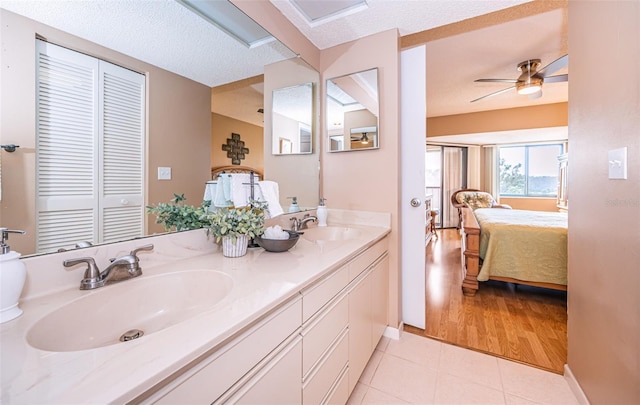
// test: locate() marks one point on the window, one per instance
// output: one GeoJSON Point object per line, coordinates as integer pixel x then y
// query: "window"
{"type": "Point", "coordinates": [529, 170]}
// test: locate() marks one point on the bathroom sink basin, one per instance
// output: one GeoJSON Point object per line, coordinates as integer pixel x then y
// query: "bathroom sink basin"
{"type": "Point", "coordinates": [330, 233]}
{"type": "Point", "coordinates": [147, 304]}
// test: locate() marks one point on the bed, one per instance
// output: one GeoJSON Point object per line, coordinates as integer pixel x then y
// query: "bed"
{"type": "Point", "coordinates": [517, 246]}
{"type": "Point", "coordinates": [215, 171]}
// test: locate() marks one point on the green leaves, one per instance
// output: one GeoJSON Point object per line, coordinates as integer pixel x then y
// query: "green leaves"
{"type": "Point", "coordinates": [222, 222]}
{"type": "Point", "coordinates": [178, 216]}
{"type": "Point", "coordinates": [234, 222]}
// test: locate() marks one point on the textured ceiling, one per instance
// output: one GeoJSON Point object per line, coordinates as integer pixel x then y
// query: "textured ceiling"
{"type": "Point", "coordinates": [160, 32]}
{"type": "Point", "coordinates": [408, 16]}
{"type": "Point", "coordinates": [453, 63]}
{"type": "Point", "coordinates": [166, 34]}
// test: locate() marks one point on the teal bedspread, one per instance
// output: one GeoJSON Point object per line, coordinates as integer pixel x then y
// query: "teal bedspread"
{"type": "Point", "coordinates": [524, 245]}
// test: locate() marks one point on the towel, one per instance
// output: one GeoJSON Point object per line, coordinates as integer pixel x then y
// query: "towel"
{"type": "Point", "coordinates": [210, 193]}
{"type": "Point", "coordinates": [271, 194]}
{"type": "Point", "coordinates": [220, 199]}
{"type": "Point", "coordinates": [240, 189]}
{"type": "Point", "coordinates": [226, 186]}
{"type": "Point", "coordinates": [275, 232]}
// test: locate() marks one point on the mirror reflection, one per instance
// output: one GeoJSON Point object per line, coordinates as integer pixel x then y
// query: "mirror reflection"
{"type": "Point", "coordinates": [292, 116]}
{"type": "Point", "coordinates": [181, 139]}
{"type": "Point", "coordinates": [352, 111]}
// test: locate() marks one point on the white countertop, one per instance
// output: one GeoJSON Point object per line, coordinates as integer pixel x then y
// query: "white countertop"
{"type": "Point", "coordinates": [120, 372]}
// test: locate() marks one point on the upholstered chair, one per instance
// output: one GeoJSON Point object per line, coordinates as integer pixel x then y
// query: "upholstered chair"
{"type": "Point", "coordinates": [474, 199]}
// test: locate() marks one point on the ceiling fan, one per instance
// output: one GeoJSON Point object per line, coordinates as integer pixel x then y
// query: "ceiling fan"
{"type": "Point", "coordinates": [363, 139]}
{"type": "Point", "coordinates": [530, 80]}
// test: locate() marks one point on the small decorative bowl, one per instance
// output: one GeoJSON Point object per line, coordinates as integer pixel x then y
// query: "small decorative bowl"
{"type": "Point", "coordinates": [278, 245]}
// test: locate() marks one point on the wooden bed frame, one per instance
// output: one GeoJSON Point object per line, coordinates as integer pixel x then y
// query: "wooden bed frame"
{"type": "Point", "coordinates": [215, 171]}
{"type": "Point", "coordinates": [470, 258]}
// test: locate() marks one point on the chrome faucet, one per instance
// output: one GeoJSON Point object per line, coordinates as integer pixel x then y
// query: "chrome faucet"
{"type": "Point", "coordinates": [299, 224]}
{"type": "Point", "coordinates": [122, 268]}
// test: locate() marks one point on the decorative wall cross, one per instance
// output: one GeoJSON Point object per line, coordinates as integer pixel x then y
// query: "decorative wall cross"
{"type": "Point", "coordinates": [235, 149]}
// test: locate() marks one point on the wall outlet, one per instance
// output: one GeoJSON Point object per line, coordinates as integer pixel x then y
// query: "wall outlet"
{"type": "Point", "coordinates": [164, 173]}
{"type": "Point", "coordinates": [618, 163]}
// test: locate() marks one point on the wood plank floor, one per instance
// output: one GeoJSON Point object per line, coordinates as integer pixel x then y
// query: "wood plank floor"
{"type": "Point", "coordinates": [524, 324]}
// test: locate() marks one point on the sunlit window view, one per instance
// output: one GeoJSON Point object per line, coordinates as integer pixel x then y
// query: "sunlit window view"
{"type": "Point", "coordinates": [529, 171]}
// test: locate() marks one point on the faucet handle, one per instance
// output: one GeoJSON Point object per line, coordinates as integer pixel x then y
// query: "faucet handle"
{"type": "Point", "coordinates": [4, 247]}
{"type": "Point", "coordinates": [135, 251]}
{"type": "Point", "coordinates": [296, 223]}
{"type": "Point", "coordinates": [91, 276]}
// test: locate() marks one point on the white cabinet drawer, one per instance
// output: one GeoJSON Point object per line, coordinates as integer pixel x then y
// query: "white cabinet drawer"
{"type": "Point", "coordinates": [277, 383]}
{"type": "Point", "coordinates": [317, 295]}
{"type": "Point", "coordinates": [210, 378]}
{"type": "Point", "coordinates": [324, 376]}
{"type": "Point", "coordinates": [322, 330]}
{"type": "Point", "coordinates": [340, 393]}
{"type": "Point", "coordinates": [365, 259]}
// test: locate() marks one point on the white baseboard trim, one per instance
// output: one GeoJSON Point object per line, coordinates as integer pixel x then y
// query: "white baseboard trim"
{"type": "Point", "coordinates": [394, 333]}
{"type": "Point", "coordinates": [575, 386]}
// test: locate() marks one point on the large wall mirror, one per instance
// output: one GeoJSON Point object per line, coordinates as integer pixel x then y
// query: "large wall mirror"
{"type": "Point", "coordinates": [297, 175]}
{"type": "Point", "coordinates": [292, 120]}
{"type": "Point", "coordinates": [291, 116]}
{"type": "Point", "coordinates": [353, 111]}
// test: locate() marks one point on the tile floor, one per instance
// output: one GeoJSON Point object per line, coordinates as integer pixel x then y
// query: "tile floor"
{"type": "Point", "coordinates": [418, 370]}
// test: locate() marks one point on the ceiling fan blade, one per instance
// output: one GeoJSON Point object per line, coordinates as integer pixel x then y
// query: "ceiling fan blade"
{"type": "Point", "coordinates": [494, 94]}
{"type": "Point", "coordinates": [554, 66]}
{"type": "Point", "coordinates": [496, 81]}
{"type": "Point", "coordinates": [556, 78]}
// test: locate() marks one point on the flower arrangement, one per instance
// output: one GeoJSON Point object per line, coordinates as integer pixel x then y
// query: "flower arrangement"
{"type": "Point", "coordinates": [235, 222]}
{"type": "Point", "coordinates": [180, 216]}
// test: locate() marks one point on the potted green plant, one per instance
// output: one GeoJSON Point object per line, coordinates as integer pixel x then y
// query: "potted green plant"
{"type": "Point", "coordinates": [179, 216]}
{"type": "Point", "coordinates": [235, 226]}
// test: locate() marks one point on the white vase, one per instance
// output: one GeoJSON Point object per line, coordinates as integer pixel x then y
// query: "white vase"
{"type": "Point", "coordinates": [237, 248]}
{"type": "Point", "coordinates": [12, 277]}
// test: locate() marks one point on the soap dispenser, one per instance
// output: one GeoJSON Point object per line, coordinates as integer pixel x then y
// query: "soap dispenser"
{"type": "Point", "coordinates": [321, 213]}
{"type": "Point", "coordinates": [294, 205]}
{"type": "Point", "coordinates": [12, 277]}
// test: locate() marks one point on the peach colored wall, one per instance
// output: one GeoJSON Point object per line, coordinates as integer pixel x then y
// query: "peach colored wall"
{"type": "Point", "coordinates": [343, 184]}
{"type": "Point", "coordinates": [604, 218]}
{"type": "Point", "coordinates": [533, 204]}
{"type": "Point", "coordinates": [178, 124]}
{"type": "Point", "coordinates": [221, 129]}
{"type": "Point", "coordinates": [543, 116]}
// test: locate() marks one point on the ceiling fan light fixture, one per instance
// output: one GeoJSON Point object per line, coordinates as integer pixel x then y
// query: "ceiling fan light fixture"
{"type": "Point", "coordinates": [529, 86]}
{"type": "Point", "coordinates": [528, 82]}
{"type": "Point", "coordinates": [364, 140]}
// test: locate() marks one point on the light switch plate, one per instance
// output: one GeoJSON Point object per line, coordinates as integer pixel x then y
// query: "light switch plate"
{"type": "Point", "coordinates": [164, 173]}
{"type": "Point", "coordinates": [618, 164]}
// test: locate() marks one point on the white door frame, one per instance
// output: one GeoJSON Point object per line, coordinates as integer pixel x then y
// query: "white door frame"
{"type": "Point", "coordinates": [413, 130]}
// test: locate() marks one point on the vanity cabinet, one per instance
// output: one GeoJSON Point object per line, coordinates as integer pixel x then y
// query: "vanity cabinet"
{"type": "Point", "coordinates": [368, 301]}
{"type": "Point", "coordinates": [325, 334]}
{"type": "Point", "coordinates": [355, 301]}
{"type": "Point", "coordinates": [256, 353]}
{"type": "Point", "coordinates": [312, 350]}
{"type": "Point", "coordinates": [276, 378]}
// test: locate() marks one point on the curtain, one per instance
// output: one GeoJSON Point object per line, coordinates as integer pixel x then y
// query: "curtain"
{"type": "Point", "coordinates": [491, 175]}
{"type": "Point", "coordinates": [453, 179]}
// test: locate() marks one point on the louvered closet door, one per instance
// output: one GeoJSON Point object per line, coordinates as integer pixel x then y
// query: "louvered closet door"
{"type": "Point", "coordinates": [122, 127]}
{"type": "Point", "coordinates": [90, 134]}
{"type": "Point", "coordinates": [67, 150]}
